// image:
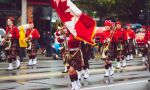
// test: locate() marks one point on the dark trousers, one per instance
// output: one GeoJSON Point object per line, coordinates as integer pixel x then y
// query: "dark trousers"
{"type": "Point", "coordinates": [86, 64]}
{"type": "Point", "coordinates": [22, 53]}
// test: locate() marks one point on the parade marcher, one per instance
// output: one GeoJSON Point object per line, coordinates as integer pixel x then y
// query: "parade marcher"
{"type": "Point", "coordinates": [86, 49]}
{"type": "Point", "coordinates": [32, 36]}
{"type": "Point", "coordinates": [73, 56]}
{"type": "Point", "coordinates": [108, 48]}
{"type": "Point", "coordinates": [147, 39]}
{"type": "Point", "coordinates": [119, 38]}
{"type": "Point", "coordinates": [129, 37]}
{"type": "Point", "coordinates": [141, 42]}
{"type": "Point", "coordinates": [12, 37]}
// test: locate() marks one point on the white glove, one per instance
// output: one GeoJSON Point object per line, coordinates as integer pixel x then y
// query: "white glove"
{"type": "Point", "coordinates": [108, 39]}
{"type": "Point", "coordinates": [10, 35]}
{"type": "Point", "coordinates": [30, 36]}
{"type": "Point", "coordinates": [61, 37]}
{"type": "Point", "coordinates": [129, 37]}
{"type": "Point", "coordinates": [148, 42]}
{"type": "Point", "coordinates": [147, 45]}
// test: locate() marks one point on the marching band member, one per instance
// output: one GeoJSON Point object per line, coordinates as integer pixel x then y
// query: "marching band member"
{"type": "Point", "coordinates": [129, 37]}
{"type": "Point", "coordinates": [141, 42]}
{"type": "Point", "coordinates": [147, 40]}
{"type": "Point", "coordinates": [119, 37]}
{"type": "Point", "coordinates": [12, 33]}
{"type": "Point", "coordinates": [73, 57]}
{"type": "Point", "coordinates": [32, 35]}
{"type": "Point", "coordinates": [108, 35]}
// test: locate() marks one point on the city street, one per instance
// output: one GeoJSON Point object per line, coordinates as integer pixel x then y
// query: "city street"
{"type": "Point", "coordinates": [37, 34]}
{"type": "Point", "coordinates": [47, 76]}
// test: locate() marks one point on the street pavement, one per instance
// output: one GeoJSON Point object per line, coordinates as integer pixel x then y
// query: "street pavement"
{"type": "Point", "coordinates": [46, 75]}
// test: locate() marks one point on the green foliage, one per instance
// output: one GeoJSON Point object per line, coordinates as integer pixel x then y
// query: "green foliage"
{"type": "Point", "coordinates": [117, 8]}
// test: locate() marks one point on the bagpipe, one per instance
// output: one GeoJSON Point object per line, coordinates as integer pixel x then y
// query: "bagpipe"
{"type": "Point", "coordinates": [6, 42]}
{"type": "Point", "coordinates": [106, 45]}
{"type": "Point", "coordinates": [67, 55]}
{"type": "Point", "coordinates": [28, 40]}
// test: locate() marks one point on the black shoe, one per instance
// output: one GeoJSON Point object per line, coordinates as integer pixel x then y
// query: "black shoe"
{"type": "Point", "coordinates": [106, 76]}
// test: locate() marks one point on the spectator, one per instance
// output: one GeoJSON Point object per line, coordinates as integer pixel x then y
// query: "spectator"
{"type": "Point", "coordinates": [22, 43]}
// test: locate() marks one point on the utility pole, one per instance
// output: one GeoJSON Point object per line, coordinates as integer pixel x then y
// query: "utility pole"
{"type": "Point", "coordinates": [148, 12]}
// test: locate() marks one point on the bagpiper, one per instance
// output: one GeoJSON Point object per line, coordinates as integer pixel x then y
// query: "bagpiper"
{"type": "Point", "coordinates": [147, 39]}
{"type": "Point", "coordinates": [32, 36]}
{"type": "Point", "coordinates": [141, 43]}
{"type": "Point", "coordinates": [73, 56]}
{"type": "Point", "coordinates": [129, 37]}
{"type": "Point", "coordinates": [12, 40]}
{"type": "Point", "coordinates": [119, 38]}
{"type": "Point", "coordinates": [108, 48]}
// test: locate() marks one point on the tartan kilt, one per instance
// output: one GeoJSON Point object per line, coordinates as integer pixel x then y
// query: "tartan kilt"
{"type": "Point", "coordinates": [14, 50]}
{"type": "Point", "coordinates": [112, 52]}
{"type": "Point", "coordinates": [129, 48]}
{"type": "Point", "coordinates": [34, 47]}
{"type": "Point", "coordinates": [76, 61]}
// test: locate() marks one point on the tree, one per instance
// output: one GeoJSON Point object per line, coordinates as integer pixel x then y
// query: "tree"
{"type": "Point", "coordinates": [124, 9]}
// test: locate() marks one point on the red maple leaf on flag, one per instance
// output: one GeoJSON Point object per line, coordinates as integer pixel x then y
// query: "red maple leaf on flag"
{"type": "Point", "coordinates": [61, 10]}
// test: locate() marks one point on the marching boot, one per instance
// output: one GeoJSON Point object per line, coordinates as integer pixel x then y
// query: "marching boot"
{"type": "Point", "coordinates": [111, 71]}
{"type": "Point", "coordinates": [124, 63]}
{"type": "Point", "coordinates": [86, 74]}
{"type": "Point", "coordinates": [131, 57]}
{"type": "Point", "coordinates": [79, 74]}
{"type": "Point", "coordinates": [10, 67]}
{"type": "Point", "coordinates": [118, 65]}
{"type": "Point", "coordinates": [73, 85]}
{"type": "Point", "coordinates": [143, 59]}
{"type": "Point", "coordinates": [77, 87]}
{"type": "Point", "coordinates": [65, 70]}
{"type": "Point", "coordinates": [140, 55]}
{"type": "Point", "coordinates": [106, 73]}
{"type": "Point", "coordinates": [34, 61]}
{"type": "Point", "coordinates": [30, 62]}
{"type": "Point", "coordinates": [18, 64]}
{"type": "Point", "coordinates": [128, 57]}
{"type": "Point", "coordinates": [78, 82]}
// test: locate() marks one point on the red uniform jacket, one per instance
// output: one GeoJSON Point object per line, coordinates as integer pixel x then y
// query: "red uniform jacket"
{"type": "Point", "coordinates": [107, 34]}
{"type": "Point", "coordinates": [129, 34]}
{"type": "Point", "coordinates": [140, 37]}
{"type": "Point", "coordinates": [14, 31]}
{"type": "Point", "coordinates": [119, 34]}
{"type": "Point", "coordinates": [35, 34]}
{"type": "Point", "coordinates": [73, 43]}
{"type": "Point", "coordinates": [147, 36]}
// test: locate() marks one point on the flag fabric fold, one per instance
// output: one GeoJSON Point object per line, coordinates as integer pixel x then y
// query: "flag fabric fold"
{"type": "Point", "coordinates": [78, 23]}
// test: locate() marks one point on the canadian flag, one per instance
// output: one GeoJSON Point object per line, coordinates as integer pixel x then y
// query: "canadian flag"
{"type": "Point", "coordinates": [79, 24]}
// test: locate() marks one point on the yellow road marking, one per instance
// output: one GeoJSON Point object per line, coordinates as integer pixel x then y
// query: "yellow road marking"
{"type": "Point", "coordinates": [52, 74]}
